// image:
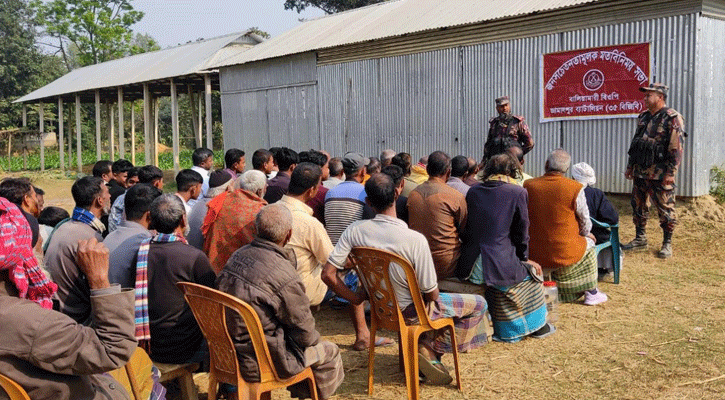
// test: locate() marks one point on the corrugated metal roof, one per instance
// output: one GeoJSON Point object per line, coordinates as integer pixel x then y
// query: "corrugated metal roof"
{"type": "Point", "coordinates": [187, 59]}
{"type": "Point", "coordinates": [390, 19]}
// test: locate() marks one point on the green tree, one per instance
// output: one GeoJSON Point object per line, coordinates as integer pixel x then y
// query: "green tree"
{"type": "Point", "coordinates": [23, 67]}
{"type": "Point", "coordinates": [99, 30]}
{"type": "Point", "coordinates": [328, 6]}
{"type": "Point", "coordinates": [143, 43]}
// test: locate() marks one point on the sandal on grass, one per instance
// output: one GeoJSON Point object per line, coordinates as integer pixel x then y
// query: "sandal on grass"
{"type": "Point", "coordinates": [435, 372]}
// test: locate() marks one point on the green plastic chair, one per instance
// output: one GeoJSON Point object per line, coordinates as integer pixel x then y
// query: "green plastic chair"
{"type": "Point", "coordinates": [613, 243]}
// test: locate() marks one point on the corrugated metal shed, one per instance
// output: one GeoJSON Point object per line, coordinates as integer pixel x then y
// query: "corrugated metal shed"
{"type": "Point", "coordinates": [188, 59]}
{"type": "Point", "coordinates": [390, 19]}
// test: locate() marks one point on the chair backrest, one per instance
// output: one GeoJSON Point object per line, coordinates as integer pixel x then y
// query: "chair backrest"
{"type": "Point", "coordinates": [209, 306]}
{"type": "Point", "coordinates": [373, 268]}
{"type": "Point", "coordinates": [14, 391]}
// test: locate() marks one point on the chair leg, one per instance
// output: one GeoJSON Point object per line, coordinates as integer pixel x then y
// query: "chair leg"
{"type": "Point", "coordinates": [313, 388]}
{"type": "Point", "coordinates": [212, 388]}
{"type": "Point", "coordinates": [410, 363]}
{"type": "Point", "coordinates": [414, 368]}
{"type": "Point", "coordinates": [401, 364]}
{"type": "Point", "coordinates": [454, 345]}
{"type": "Point", "coordinates": [371, 354]}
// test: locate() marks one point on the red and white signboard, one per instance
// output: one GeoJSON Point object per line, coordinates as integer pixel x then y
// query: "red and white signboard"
{"type": "Point", "coordinates": [601, 82]}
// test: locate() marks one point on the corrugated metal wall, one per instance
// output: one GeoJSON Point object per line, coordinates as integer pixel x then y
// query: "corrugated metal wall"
{"type": "Point", "coordinates": [708, 135]}
{"type": "Point", "coordinates": [442, 100]}
{"type": "Point", "coordinates": [604, 143]}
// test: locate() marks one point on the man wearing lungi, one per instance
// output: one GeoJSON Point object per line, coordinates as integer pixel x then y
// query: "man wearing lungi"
{"type": "Point", "coordinates": [495, 253]}
{"type": "Point", "coordinates": [560, 231]}
{"type": "Point", "coordinates": [387, 232]}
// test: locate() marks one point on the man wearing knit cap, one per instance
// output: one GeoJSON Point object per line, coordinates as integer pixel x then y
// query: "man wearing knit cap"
{"type": "Point", "coordinates": [219, 183]}
{"type": "Point", "coordinates": [654, 156]}
{"type": "Point", "coordinates": [506, 129]}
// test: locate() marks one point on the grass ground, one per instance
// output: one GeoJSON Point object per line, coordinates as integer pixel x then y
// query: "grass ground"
{"type": "Point", "coordinates": [660, 336]}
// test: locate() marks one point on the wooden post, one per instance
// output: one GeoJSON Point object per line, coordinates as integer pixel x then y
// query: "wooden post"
{"type": "Point", "coordinates": [121, 138]}
{"type": "Point", "coordinates": [111, 134]}
{"type": "Point", "coordinates": [41, 128]}
{"type": "Point", "coordinates": [133, 133]}
{"type": "Point", "coordinates": [156, 132]}
{"type": "Point", "coordinates": [194, 123]}
{"type": "Point", "coordinates": [61, 150]}
{"type": "Point", "coordinates": [175, 124]}
{"type": "Point", "coordinates": [25, 143]}
{"type": "Point", "coordinates": [146, 124]}
{"type": "Point", "coordinates": [70, 138]}
{"type": "Point", "coordinates": [200, 112]}
{"type": "Point", "coordinates": [207, 92]}
{"type": "Point", "coordinates": [79, 152]}
{"type": "Point", "coordinates": [99, 152]}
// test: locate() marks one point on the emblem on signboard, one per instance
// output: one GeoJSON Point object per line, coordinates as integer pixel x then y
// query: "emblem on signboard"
{"type": "Point", "coordinates": [593, 79]}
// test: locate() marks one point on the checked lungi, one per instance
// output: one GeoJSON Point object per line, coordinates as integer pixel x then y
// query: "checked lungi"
{"type": "Point", "coordinates": [574, 280]}
{"type": "Point", "coordinates": [516, 311]}
{"type": "Point", "coordinates": [468, 312]}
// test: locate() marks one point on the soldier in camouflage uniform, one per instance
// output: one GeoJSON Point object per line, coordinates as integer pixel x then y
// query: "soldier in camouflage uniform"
{"type": "Point", "coordinates": [506, 130]}
{"type": "Point", "coordinates": [654, 155]}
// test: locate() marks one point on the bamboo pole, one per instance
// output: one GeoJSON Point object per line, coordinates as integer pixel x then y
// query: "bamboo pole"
{"type": "Point", "coordinates": [133, 133]}
{"type": "Point", "coordinates": [194, 123]}
{"type": "Point", "coordinates": [99, 152]}
{"type": "Point", "coordinates": [41, 128]}
{"type": "Point", "coordinates": [61, 150]}
{"type": "Point", "coordinates": [121, 138]}
{"type": "Point", "coordinates": [175, 124]}
{"type": "Point", "coordinates": [156, 132]}
{"type": "Point", "coordinates": [147, 125]}
{"type": "Point", "coordinates": [79, 152]}
{"type": "Point", "coordinates": [207, 93]}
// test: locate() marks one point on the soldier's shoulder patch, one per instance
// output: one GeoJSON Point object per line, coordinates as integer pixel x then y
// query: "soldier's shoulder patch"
{"type": "Point", "coordinates": [672, 112]}
{"type": "Point", "coordinates": [518, 117]}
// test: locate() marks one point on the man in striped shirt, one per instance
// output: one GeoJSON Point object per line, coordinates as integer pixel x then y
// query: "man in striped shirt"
{"type": "Point", "coordinates": [345, 203]}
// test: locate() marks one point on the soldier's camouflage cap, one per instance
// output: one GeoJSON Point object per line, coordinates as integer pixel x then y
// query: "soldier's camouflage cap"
{"type": "Point", "coordinates": [655, 87]}
{"type": "Point", "coordinates": [503, 100]}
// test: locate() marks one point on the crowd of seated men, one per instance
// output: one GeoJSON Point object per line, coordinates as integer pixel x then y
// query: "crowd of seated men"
{"type": "Point", "coordinates": [278, 236]}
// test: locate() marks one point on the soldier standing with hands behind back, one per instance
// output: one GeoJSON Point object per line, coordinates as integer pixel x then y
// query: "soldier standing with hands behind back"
{"type": "Point", "coordinates": [654, 155]}
{"type": "Point", "coordinates": [506, 130]}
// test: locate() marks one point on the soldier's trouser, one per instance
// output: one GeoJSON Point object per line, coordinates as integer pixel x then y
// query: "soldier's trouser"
{"type": "Point", "coordinates": [664, 198]}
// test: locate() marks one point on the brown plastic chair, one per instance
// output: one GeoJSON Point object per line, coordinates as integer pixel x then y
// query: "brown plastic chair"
{"type": "Point", "coordinates": [208, 306]}
{"type": "Point", "coordinates": [372, 266]}
{"type": "Point", "coordinates": [13, 390]}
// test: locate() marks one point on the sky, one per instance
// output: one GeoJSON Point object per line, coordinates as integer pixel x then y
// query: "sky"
{"type": "Point", "coordinates": [174, 22]}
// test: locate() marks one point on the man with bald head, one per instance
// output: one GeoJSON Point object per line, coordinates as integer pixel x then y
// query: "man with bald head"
{"type": "Point", "coordinates": [262, 274]}
{"type": "Point", "coordinates": [560, 231]}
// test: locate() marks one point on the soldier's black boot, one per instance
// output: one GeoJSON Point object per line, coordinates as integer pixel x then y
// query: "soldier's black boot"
{"type": "Point", "coordinates": [666, 250]}
{"type": "Point", "coordinates": [639, 242]}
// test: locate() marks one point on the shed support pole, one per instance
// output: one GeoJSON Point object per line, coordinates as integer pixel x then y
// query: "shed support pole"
{"type": "Point", "coordinates": [61, 149]}
{"type": "Point", "coordinates": [200, 112]}
{"type": "Point", "coordinates": [111, 131]}
{"type": "Point", "coordinates": [25, 144]}
{"type": "Point", "coordinates": [175, 124]}
{"type": "Point", "coordinates": [41, 129]}
{"type": "Point", "coordinates": [133, 133]}
{"type": "Point", "coordinates": [70, 137]}
{"type": "Point", "coordinates": [146, 124]}
{"type": "Point", "coordinates": [194, 123]}
{"type": "Point", "coordinates": [207, 93]}
{"type": "Point", "coordinates": [121, 138]}
{"type": "Point", "coordinates": [156, 132]}
{"type": "Point", "coordinates": [98, 125]}
{"type": "Point", "coordinates": [79, 153]}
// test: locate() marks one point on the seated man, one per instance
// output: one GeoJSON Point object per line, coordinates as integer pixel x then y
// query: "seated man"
{"type": "Point", "coordinates": [286, 160]}
{"type": "Point", "coordinates": [345, 203]}
{"type": "Point", "coordinates": [337, 174]}
{"type": "Point", "coordinates": [600, 209]}
{"type": "Point", "coordinates": [117, 186]}
{"type": "Point", "coordinates": [48, 354]}
{"type": "Point", "coordinates": [162, 314]}
{"type": "Point", "coordinates": [123, 243]}
{"type": "Point", "coordinates": [189, 184]}
{"type": "Point", "coordinates": [386, 232]}
{"type": "Point", "coordinates": [234, 161]}
{"type": "Point", "coordinates": [401, 202]}
{"type": "Point", "coordinates": [439, 212]}
{"type": "Point", "coordinates": [459, 172]}
{"type": "Point", "coordinates": [21, 192]}
{"type": "Point", "coordinates": [229, 221]}
{"type": "Point", "coordinates": [560, 231]}
{"type": "Point", "coordinates": [262, 274]}
{"type": "Point", "coordinates": [147, 174]}
{"type": "Point", "coordinates": [92, 201]}
{"type": "Point", "coordinates": [219, 183]}
{"type": "Point", "coordinates": [322, 160]}
{"type": "Point", "coordinates": [495, 253]}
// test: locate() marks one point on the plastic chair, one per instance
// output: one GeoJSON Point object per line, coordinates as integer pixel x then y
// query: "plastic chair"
{"type": "Point", "coordinates": [372, 266]}
{"type": "Point", "coordinates": [208, 306]}
{"type": "Point", "coordinates": [613, 243]}
{"type": "Point", "coordinates": [13, 390]}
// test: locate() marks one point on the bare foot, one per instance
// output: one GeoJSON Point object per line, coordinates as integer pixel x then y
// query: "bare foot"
{"type": "Point", "coordinates": [380, 341]}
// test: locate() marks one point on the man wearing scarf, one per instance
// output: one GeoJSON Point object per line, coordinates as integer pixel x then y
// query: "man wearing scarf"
{"type": "Point", "coordinates": [49, 355]}
{"type": "Point", "coordinates": [93, 200]}
{"type": "Point", "coordinates": [165, 324]}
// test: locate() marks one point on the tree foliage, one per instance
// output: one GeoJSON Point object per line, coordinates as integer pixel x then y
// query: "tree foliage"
{"type": "Point", "coordinates": [99, 30]}
{"type": "Point", "coordinates": [328, 6]}
{"type": "Point", "coordinates": [23, 67]}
